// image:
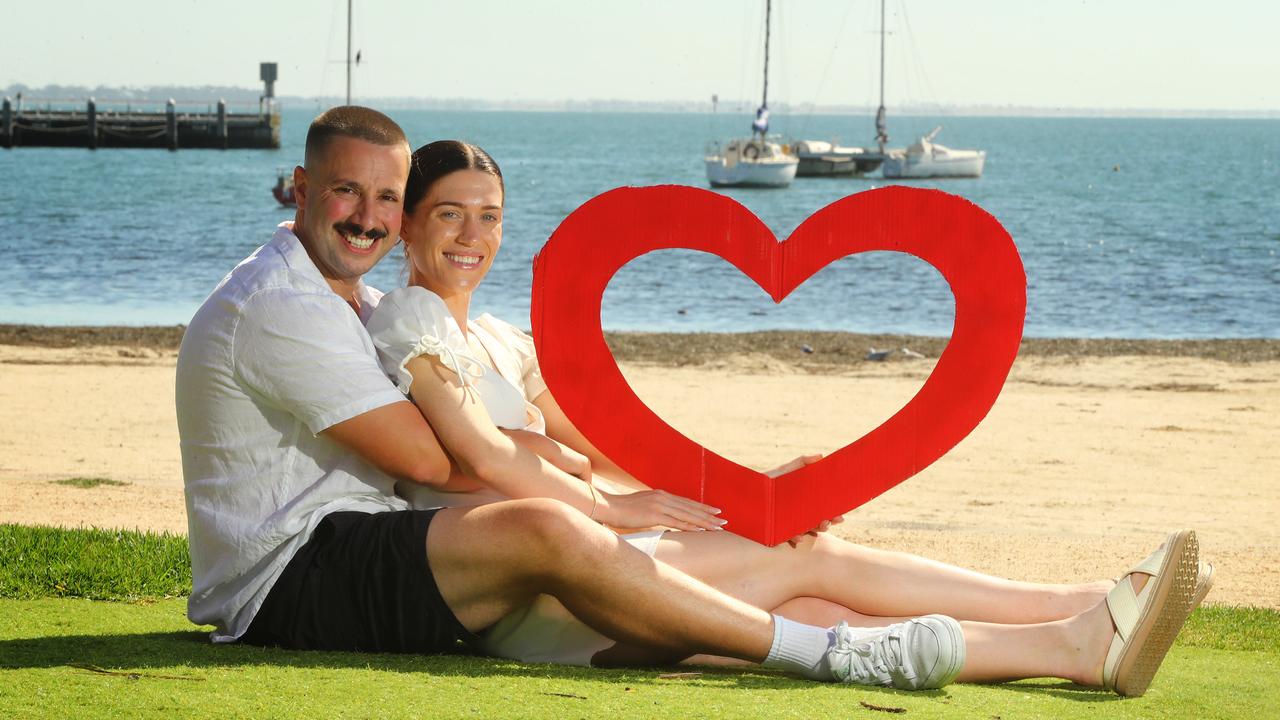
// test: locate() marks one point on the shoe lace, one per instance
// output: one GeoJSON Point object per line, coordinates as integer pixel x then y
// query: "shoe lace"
{"type": "Point", "coordinates": [873, 659]}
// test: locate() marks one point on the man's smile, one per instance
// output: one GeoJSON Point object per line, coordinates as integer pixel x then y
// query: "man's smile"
{"type": "Point", "coordinates": [357, 238]}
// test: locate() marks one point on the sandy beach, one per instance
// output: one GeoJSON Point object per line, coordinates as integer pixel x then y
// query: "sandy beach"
{"type": "Point", "coordinates": [1093, 451]}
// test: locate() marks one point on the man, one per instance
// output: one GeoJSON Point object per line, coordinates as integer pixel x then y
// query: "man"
{"type": "Point", "coordinates": [292, 440]}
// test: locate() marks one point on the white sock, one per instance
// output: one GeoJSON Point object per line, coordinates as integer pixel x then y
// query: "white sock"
{"type": "Point", "coordinates": [800, 649]}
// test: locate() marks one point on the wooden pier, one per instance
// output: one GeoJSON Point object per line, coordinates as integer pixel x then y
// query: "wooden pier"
{"type": "Point", "coordinates": [141, 124]}
{"type": "Point", "coordinates": [96, 127]}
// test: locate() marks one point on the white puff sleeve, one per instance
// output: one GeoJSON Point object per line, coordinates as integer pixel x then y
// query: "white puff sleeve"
{"type": "Point", "coordinates": [413, 321]}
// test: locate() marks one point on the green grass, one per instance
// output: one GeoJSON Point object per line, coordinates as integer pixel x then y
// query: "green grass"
{"type": "Point", "coordinates": [38, 562]}
{"type": "Point", "coordinates": [71, 657]}
{"type": "Point", "coordinates": [89, 482]}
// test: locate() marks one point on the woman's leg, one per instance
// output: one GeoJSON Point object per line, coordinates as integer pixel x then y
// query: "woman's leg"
{"type": "Point", "coordinates": [824, 613]}
{"type": "Point", "coordinates": [1072, 649]}
{"type": "Point", "coordinates": [868, 581]}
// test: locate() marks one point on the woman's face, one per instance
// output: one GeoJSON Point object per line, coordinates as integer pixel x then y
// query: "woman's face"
{"type": "Point", "coordinates": [453, 233]}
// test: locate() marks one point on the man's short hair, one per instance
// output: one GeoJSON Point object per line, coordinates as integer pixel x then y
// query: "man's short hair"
{"type": "Point", "coordinates": [351, 121]}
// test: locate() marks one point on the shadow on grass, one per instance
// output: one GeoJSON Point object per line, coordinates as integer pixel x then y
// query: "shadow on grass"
{"type": "Point", "coordinates": [1062, 689]}
{"type": "Point", "coordinates": [166, 654]}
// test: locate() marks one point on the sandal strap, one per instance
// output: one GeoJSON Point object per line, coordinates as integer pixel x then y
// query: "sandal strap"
{"type": "Point", "coordinates": [1125, 607]}
{"type": "Point", "coordinates": [1151, 564]}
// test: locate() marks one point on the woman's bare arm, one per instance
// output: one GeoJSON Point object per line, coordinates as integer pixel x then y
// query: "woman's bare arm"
{"type": "Point", "coordinates": [561, 429]}
{"type": "Point", "coordinates": [563, 457]}
{"type": "Point", "coordinates": [485, 453]}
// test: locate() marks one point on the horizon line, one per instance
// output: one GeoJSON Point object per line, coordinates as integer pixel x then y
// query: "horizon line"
{"type": "Point", "coordinates": [239, 94]}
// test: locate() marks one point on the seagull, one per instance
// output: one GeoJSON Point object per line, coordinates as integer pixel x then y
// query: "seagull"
{"type": "Point", "coordinates": [878, 355]}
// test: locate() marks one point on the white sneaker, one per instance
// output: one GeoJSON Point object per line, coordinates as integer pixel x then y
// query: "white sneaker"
{"type": "Point", "coordinates": [919, 654]}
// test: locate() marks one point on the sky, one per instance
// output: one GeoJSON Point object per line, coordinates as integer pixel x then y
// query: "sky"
{"type": "Point", "coordinates": [1140, 54]}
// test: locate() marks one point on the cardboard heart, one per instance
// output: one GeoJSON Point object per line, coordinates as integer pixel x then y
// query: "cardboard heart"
{"type": "Point", "coordinates": [965, 244]}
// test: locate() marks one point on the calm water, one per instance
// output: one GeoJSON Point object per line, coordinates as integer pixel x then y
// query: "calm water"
{"type": "Point", "coordinates": [1127, 227]}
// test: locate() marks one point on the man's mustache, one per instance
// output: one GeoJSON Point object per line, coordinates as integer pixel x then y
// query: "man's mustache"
{"type": "Point", "coordinates": [354, 230]}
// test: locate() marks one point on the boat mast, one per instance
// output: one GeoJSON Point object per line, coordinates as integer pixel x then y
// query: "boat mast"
{"type": "Point", "coordinates": [348, 52]}
{"type": "Point", "coordinates": [765, 101]}
{"type": "Point", "coordinates": [761, 125]}
{"type": "Point", "coordinates": [882, 130]}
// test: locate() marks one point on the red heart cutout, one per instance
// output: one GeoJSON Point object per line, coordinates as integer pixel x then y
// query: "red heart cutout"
{"type": "Point", "coordinates": [963, 242]}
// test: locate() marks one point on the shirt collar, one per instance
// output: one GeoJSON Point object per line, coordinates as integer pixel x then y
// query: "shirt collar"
{"type": "Point", "coordinates": [285, 242]}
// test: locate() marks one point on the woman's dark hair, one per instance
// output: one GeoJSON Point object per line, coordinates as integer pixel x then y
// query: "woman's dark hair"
{"type": "Point", "coordinates": [435, 160]}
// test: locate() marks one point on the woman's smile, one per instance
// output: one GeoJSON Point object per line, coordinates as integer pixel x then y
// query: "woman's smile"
{"type": "Point", "coordinates": [464, 261]}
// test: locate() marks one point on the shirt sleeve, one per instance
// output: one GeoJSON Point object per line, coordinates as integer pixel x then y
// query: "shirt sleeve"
{"type": "Point", "coordinates": [308, 354]}
{"type": "Point", "coordinates": [413, 321]}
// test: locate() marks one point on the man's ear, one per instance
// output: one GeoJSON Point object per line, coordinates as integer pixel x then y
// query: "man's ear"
{"type": "Point", "coordinates": [299, 185]}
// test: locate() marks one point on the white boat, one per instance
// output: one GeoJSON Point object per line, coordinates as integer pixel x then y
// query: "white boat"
{"type": "Point", "coordinates": [924, 158]}
{"type": "Point", "coordinates": [750, 162]}
{"type": "Point", "coordinates": [756, 161]}
{"type": "Point", "coordinates": [927, 159]}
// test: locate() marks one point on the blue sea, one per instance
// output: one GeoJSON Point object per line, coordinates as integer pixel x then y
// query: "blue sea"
{"type": "Point", "coordinates": [1140, 228]}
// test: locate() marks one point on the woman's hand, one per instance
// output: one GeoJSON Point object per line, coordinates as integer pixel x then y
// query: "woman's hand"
{"type": "Point", "coordinates": [655, 507]}
{"type": "Point", "coordinates": [796, 464]}
{"type": "Point", "coordinates": [822, 527]}
{"type": "Point", "coordinates": [564, 458]}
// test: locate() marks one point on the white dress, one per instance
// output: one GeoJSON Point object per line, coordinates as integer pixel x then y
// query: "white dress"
{"type": "Point", "coordinates": [413, 321]}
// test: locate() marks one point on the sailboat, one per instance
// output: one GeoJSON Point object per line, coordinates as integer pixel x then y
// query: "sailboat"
{"type": "Point", "coordinates": [819, 158]}
{"type": "Point", "coordinates": [755, 161]}
{"type": "Point", "coordinates": [923, 158]}
{"type": "Point", "coordinates": [282, 191]}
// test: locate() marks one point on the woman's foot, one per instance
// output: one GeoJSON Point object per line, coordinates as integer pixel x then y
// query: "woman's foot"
{"type": "Point", "coordinates": [1143, 614]}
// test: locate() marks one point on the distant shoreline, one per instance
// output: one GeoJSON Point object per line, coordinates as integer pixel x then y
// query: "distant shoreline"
{"type": "Point", "coordinates": [825, 348]}
{"type": "Point", "coordinates": [186, 95]}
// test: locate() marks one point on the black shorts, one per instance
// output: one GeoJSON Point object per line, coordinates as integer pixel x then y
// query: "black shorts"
{"type": "Point", "coordinates": [361, 583]}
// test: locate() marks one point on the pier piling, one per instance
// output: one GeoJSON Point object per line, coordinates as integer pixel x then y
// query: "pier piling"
{"type": "Point", "coordinates": [171, 124]}
{"type": "Point", "coordinates": [6, 120]}
{"type": "Point", "coordinates": [92, 109]}
{"type": "Point", "coordinates": [222, 123]}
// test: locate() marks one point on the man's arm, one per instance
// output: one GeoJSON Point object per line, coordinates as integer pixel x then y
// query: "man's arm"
{"type": "Point", "coordinates": [397, 440]}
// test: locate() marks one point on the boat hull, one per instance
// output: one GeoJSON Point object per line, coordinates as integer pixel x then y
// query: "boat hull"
{"type": "Point", "coordinates": [837, 165]}
{"type": "Point", "coordinates": [962, 164]}
{"type": "Point", "coordinates": [747, 173]}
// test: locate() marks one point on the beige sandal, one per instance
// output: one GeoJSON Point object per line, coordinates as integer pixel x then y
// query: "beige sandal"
{"type": "Point", "coordinates": [1204, 582]}
{"type": "Point", "coordinates": [1147, 622]}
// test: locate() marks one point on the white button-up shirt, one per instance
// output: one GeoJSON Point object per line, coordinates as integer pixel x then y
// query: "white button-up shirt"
{"type": "Point", "coordinates": [271, 358]}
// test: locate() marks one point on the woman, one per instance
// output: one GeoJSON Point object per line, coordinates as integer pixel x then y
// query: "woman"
{"type": "Point", "coordinates": [472, 377]}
